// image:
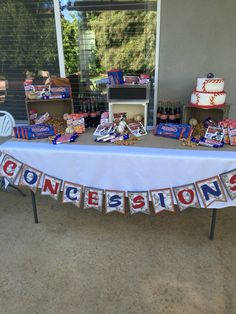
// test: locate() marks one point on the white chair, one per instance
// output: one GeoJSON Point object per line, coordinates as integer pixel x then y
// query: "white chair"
{"type": "Point", "coordinates": [7, 124]}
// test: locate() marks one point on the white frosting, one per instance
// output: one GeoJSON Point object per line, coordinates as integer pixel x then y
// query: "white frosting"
{"type": "Point", "coordinates": [210, 85]}
{"type": "Point", "coordinates": [208, 99]}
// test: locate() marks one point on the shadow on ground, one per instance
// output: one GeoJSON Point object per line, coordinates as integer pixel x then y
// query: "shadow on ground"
{"type": "Point", "coordinates": [81, 261]}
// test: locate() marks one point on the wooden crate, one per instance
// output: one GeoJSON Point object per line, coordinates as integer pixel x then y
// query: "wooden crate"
{"type": "Point", "coordinates": [201, 114]}
{"type": "Point", "coordinates": [130, 107]}
{"type": "Point", "coordinates": [55, 107]}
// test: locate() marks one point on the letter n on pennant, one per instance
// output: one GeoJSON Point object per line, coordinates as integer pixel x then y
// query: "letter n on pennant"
{"type": "Point", "coordinates": [51, 186]}
{"type": "Point", "coordinates": [10, 168]}
{"type": "Point", "coordinates": [115, 201]}
{"type": "Point", "coordinates": [93, 198]}
{"type": "Point", "coordinates": [186, 196]}
{"type": "Point", "coordinates": [162, 199]}
{"type": "Point", "coordinates": [72, 193]}
{"type": "Point", "coordinates": [30, 177]}
{"type": "Point", "coordinates": [229, 181]}
{"type": "Point", "coordinates": [211, 190]}
{"type": "Point", "coordinates": [138, 202]}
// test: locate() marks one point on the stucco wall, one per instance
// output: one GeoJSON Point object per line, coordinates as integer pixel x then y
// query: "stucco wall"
{"type": "Point", "coordinates": [197, 37]}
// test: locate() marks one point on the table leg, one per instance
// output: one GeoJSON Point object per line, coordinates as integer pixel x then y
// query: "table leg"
{"type": "Point", "coordinates": [213, 223]}
{"type": "Point", "coordinates": [34, 207]}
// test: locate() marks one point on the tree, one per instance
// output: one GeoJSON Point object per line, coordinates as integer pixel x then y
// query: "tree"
{"type": "Point", "coordinates": [27, 37]}
{"type": "Point", "coordinates": [124, 39]}
{"type": "Point", "coordinates": [70, 32]}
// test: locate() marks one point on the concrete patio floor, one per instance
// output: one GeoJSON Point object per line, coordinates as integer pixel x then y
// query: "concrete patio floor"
{"type": "Point", "coordinates": [84, 262]}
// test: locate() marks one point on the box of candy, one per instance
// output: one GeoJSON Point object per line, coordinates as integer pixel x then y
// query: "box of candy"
{"type": "Point", "coordinates": [36, 131]}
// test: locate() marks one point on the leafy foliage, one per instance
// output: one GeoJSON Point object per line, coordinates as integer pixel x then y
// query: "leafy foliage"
{"type": "Point", "coordinates": [27, 36]}
{"type": "Point", "coordinates": [70, 32]}
{"type": "Point", "coordinates": [124, 39]}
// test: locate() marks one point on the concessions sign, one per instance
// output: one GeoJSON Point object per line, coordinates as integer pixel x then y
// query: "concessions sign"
{"type": "Point", "coordinates": [209, 191]}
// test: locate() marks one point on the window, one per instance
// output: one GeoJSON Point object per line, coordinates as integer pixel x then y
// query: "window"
{"type": "Point", "coordinates": [27, 45]}
{"type": "Point", "coordinates": [111, 34]}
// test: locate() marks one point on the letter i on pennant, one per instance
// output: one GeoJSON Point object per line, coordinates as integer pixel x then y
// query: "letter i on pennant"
{"type": "Point", "coordinates": [10, 168]}
{"type": "Point", "coordinates": [51, 186]}
{"type": "Point", "coordinates": [186, 196]}
{"type": "Point", "coordinates": [72, 193]}
{"type": "Point", "coordinates": [211, 190]}
{"type": "Point", "coordinates": [115, 201]}
{"type": "Point", "coordinates": [162, 199]}
{"type": "Point", "coordinates": [30, 177]}
{"type": "Point", "coordinates": [229, 181]}
{"type": "Point", "coordinates": [138, 202]}
{"type": "Point", "coordinates": [93, 198]}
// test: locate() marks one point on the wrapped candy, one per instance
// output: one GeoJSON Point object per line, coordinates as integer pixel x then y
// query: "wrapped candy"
{"type": "Point", "coordinates": [64, 138]}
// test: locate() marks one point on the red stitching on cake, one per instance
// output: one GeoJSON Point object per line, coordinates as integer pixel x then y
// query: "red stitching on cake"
{"type": "Point", "coordinates": [198, 98]}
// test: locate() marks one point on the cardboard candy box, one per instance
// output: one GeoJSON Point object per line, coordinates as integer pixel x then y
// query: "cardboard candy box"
{"type": "Point", "coordinates": [31, 132]}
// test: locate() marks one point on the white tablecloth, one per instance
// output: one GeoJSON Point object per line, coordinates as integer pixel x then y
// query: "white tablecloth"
{"type": "Point", "coordinates": [123, 168]}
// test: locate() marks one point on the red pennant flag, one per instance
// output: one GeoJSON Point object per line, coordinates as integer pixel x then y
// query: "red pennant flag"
{"type": "Point", "coordinates": [186, 196]}
{"type": "Point", "coordinates": [51, 186]}
{"type": "Point", "coordinates": [93, 198]}
{"type": "Point", "coordinates": [138, 202]}
{"type": "Point", "coordinates": [229, 181]}
{"type": "Point", "coordinates": [10, 168]}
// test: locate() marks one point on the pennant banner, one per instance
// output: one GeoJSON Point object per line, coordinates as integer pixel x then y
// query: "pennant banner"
{"type": "Point", "coordinates": [162, 200]}
{"type": "Point", "coordinates": [10, 168]}
{"type": "Point", "coordinates": [210, 190]}
{"type": "Point", "coordinates": [115, 201]}
{"type": "Point", "coordinates": [229, 181]}
{"type": "Point", "coordinates": [51, 186]}
{"type": "Point", "coordinates": [138, 202]}
{"type": "Point", "coordinates": [30, 177]}
{"type": "Point", "coordinates": [186, 196]}
{"type": "Point", "coordinates": [93, 198]}
{"type": "Point", "coordinates": [72, 193]}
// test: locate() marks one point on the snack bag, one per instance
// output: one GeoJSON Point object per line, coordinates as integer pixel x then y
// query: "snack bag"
{"type": "Point", "coordinates": [115, 77]}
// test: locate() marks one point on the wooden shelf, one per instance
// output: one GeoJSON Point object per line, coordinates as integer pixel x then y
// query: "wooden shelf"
{"type": "Point", "coordinates": [201, 114]}
{"type": "Point", "coordinates": [55, 107]}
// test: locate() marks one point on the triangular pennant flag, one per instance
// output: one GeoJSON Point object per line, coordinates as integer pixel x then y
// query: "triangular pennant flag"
{"type": "Point", "coordinates": [72, 193]}
{"type": "Point", "coordinates": [51, 186]}
{"type": "Point", "coordinates": [93, 198]}
{"type": "Point", "coordinates": [186, 196]}
{"type": "Point", "coordinates": [115, 201]}
{"type": "Point", "coordinates": [229, 181]}
{"type": "Point", "coordinates": [138, 202]}
{"type": "Point", "coordinates": [211, 191]}
{"type": "Point", "coordinates": [10, 168]}
{"type": "Point", "coordinates": [162, 199]}
{"type": "Point", "coordinates": [30, 177]}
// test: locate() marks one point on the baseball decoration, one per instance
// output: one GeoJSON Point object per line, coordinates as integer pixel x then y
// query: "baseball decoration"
{"type": "Point", "coordinates": [211, 190]}
{"type": "Point", "coordinates": [193, 122]}
{"type": "Point", "coordinates": [138, 202]}
{"type": "Point", "coordinates": [229, 181]}
{"type": "Point", "coordinates": [186, 196]}
{"type": "Point", "coordinates": [210, 75]}
{"type": "Point", "coordinates": [162, 199]}
{"type": "Point", "coordinates": [93, 198]}
{"type": "Point", "coordinates": [51, 186]}
{"type": "Point", "coordinates": [10, 168]}
{"type": "Point", "coordinates": [72, 193]}
{"type": "Point", "coordinates": [30, 177]}
{"type": "Point", "coordinates": [115, 201]}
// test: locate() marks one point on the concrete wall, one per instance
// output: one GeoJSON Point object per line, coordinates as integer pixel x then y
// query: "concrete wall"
{"type": "Point", "coordinates": [197, 37]}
